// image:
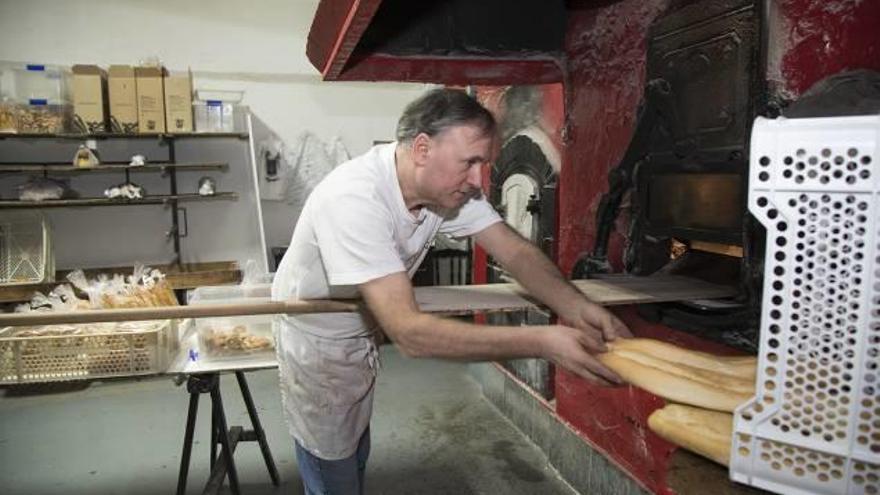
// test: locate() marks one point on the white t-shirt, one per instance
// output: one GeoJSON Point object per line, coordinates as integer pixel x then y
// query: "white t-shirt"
{"type": "Point", "coordinates": [354, 228]}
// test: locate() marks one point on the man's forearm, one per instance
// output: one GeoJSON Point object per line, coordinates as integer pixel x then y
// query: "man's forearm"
{"type": "Point", "coordinates": [426, 335]}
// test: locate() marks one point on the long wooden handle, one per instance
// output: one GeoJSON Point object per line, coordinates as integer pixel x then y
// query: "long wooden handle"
{"type": "Point", "coordinates": [165, 312]}
{"type": "Point", "coordinates": [463, 299]}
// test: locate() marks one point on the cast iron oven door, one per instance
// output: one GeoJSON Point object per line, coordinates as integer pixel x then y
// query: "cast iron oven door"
{"type": "Point", "coordinates": [686, 168]}
{"type": "Point", "coordinates": [687, 161]}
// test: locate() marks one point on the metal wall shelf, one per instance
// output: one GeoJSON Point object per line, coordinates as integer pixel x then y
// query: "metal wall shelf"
{"type": "Point", "coordinates": [239, 135]}
{"type": "Point", "coordinates": [107, 167]}
{"type": "Point", "coordinates": [168, 168]}
{"type": "Point", "coordinates": [159, 199]}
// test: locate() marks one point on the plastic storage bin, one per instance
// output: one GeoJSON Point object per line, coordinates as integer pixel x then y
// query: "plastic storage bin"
{"type": "Point", "coordinates": [236, 336]}
{"type": "Point", "coordinates": [218, 116]}
{"type": "Point", "coordinates": [24, 81]}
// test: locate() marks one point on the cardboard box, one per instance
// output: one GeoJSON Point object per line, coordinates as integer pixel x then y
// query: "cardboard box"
{"type": "Point", "coordinates": [178, 102]}
{"type": "Point", "coordinates": [151, 99]}
{"type": "Point", "coordinates": [89, 99]}
{"type": "Point", "coordinates": [122, 90]}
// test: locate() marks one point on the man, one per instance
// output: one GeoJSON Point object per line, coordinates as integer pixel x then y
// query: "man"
{"type": "Point", "coordinates": [364, 230]}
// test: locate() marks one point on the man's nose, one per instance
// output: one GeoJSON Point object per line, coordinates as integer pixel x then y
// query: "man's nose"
{"type": "Point", "coordinates": [475, 176]}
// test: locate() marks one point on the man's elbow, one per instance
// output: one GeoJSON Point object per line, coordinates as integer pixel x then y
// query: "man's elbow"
{"type": "Point", "coordinates": [406, 335]}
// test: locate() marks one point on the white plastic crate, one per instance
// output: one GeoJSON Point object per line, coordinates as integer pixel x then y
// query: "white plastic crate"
{"type": "Point", "coordinates": [814, 424]}
{"type": "Point", "coordinates": [85, 351]}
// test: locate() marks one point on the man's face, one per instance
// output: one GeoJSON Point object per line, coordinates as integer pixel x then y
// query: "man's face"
{"type": "Point", "coordinates": [452, 165]}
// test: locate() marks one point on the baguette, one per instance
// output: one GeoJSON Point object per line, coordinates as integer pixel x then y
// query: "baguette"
{"type": "Point", "coordinates": [740, 366]}
{"type": "Point", "coordinates": [707, 433]}
{"type": "Point", "coordinates": [673, 387]}
{"type": "Point", "coordinates": [707, 377]}
{"type": "Point", "coordinates": [679, 375]}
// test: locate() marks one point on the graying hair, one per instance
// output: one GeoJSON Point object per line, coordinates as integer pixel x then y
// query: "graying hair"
{"type": "Point", "coordinates": [440, 109]}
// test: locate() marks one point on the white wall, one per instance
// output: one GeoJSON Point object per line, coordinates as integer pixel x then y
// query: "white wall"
{"type": "Point", "coordinates": [257, 46]}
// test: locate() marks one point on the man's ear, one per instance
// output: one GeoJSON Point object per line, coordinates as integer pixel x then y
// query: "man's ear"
{"type": "Point", "coordinates": [421, 148]}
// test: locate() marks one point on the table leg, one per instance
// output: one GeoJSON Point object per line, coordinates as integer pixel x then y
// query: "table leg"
{"type": "Point", "coordinates": [258, 427]}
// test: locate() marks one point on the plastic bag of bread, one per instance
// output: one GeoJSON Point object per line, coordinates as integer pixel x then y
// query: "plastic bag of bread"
{"type": "Point", "coordinates": [144, 288]}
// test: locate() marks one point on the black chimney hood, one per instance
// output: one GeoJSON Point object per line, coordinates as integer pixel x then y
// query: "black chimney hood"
{"type": "Point", "coordinates": [452, 42]}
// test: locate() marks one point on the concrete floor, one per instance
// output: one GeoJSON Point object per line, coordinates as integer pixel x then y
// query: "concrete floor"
{"type": "Point", "coordinates": [433, 432]}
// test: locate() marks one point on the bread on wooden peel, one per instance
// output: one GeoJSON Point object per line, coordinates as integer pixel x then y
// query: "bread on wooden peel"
{"type": "Point", "coordinates": [680, 375]}
{"type": "Point", "coordinates": [704, 432]}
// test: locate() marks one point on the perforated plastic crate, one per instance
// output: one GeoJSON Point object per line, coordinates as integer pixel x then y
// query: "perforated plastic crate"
{"type": "Point", "coordinates": [814, 424]}
{"type": "Point", "coordinates": [107, 350]}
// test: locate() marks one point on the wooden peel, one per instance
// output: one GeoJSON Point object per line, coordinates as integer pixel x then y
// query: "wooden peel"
{"type": "Point", "coordinates": [168, 312]}
{"type": "Point", "coordinates": [459, 299]}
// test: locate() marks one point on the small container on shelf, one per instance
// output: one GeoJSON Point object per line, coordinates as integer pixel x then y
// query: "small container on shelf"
{"type": "Point", "coordinates": [235, 336]}
{"type": "Point", "coordinates": [27, 81]}
{"type": "Point", "coordinates": [218, 116]}
{"type": "Point", "coordinates": [39, 116]}
{"type": "Point", "coordinates": [218, 110]}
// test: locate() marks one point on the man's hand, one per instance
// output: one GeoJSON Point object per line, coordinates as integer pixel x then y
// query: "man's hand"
{"type": "Point", "coordinates": [589, 316]}
{"type": "Point", "coordinates": [573, 349]}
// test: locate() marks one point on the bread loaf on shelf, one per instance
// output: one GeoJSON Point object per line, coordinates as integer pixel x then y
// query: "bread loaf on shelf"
{"type": "Point", "coordinates": [704, 432]}
{"type": "Point", "coordinates": [683, 376]}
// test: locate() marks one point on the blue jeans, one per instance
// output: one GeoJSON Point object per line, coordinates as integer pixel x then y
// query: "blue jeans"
{"type": "Point", "coordinates": [340, 477]}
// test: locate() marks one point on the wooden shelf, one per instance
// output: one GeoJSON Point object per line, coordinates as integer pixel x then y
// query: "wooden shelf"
{"type": "Point", "coordinates": [185, 276]}
{"type": "Point", "coordinates": [238, 135]}
{"type": "Point", "coordinates": [149, 200]}
{"type": "Point", "coordinates": [107, 167]}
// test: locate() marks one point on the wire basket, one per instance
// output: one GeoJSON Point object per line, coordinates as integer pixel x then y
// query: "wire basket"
{"type": "Point", "coordinates": [25, 248]}
{"type": "Point", "coordinates": [141, 348]}
{"type": "Point", "coordinates": [814, 424]}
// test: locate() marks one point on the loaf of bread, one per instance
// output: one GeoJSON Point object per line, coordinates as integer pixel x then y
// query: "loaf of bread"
{"type": "Point", "coordinates": [704, 432]}
{"type": "Point", "coordinates": [740, 366]}
{"type": "Point", "coordinates": [681, 375]}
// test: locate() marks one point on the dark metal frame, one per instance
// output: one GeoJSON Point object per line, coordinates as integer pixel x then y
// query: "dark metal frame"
{"type": "Point", "coordinates": [221, 434]}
